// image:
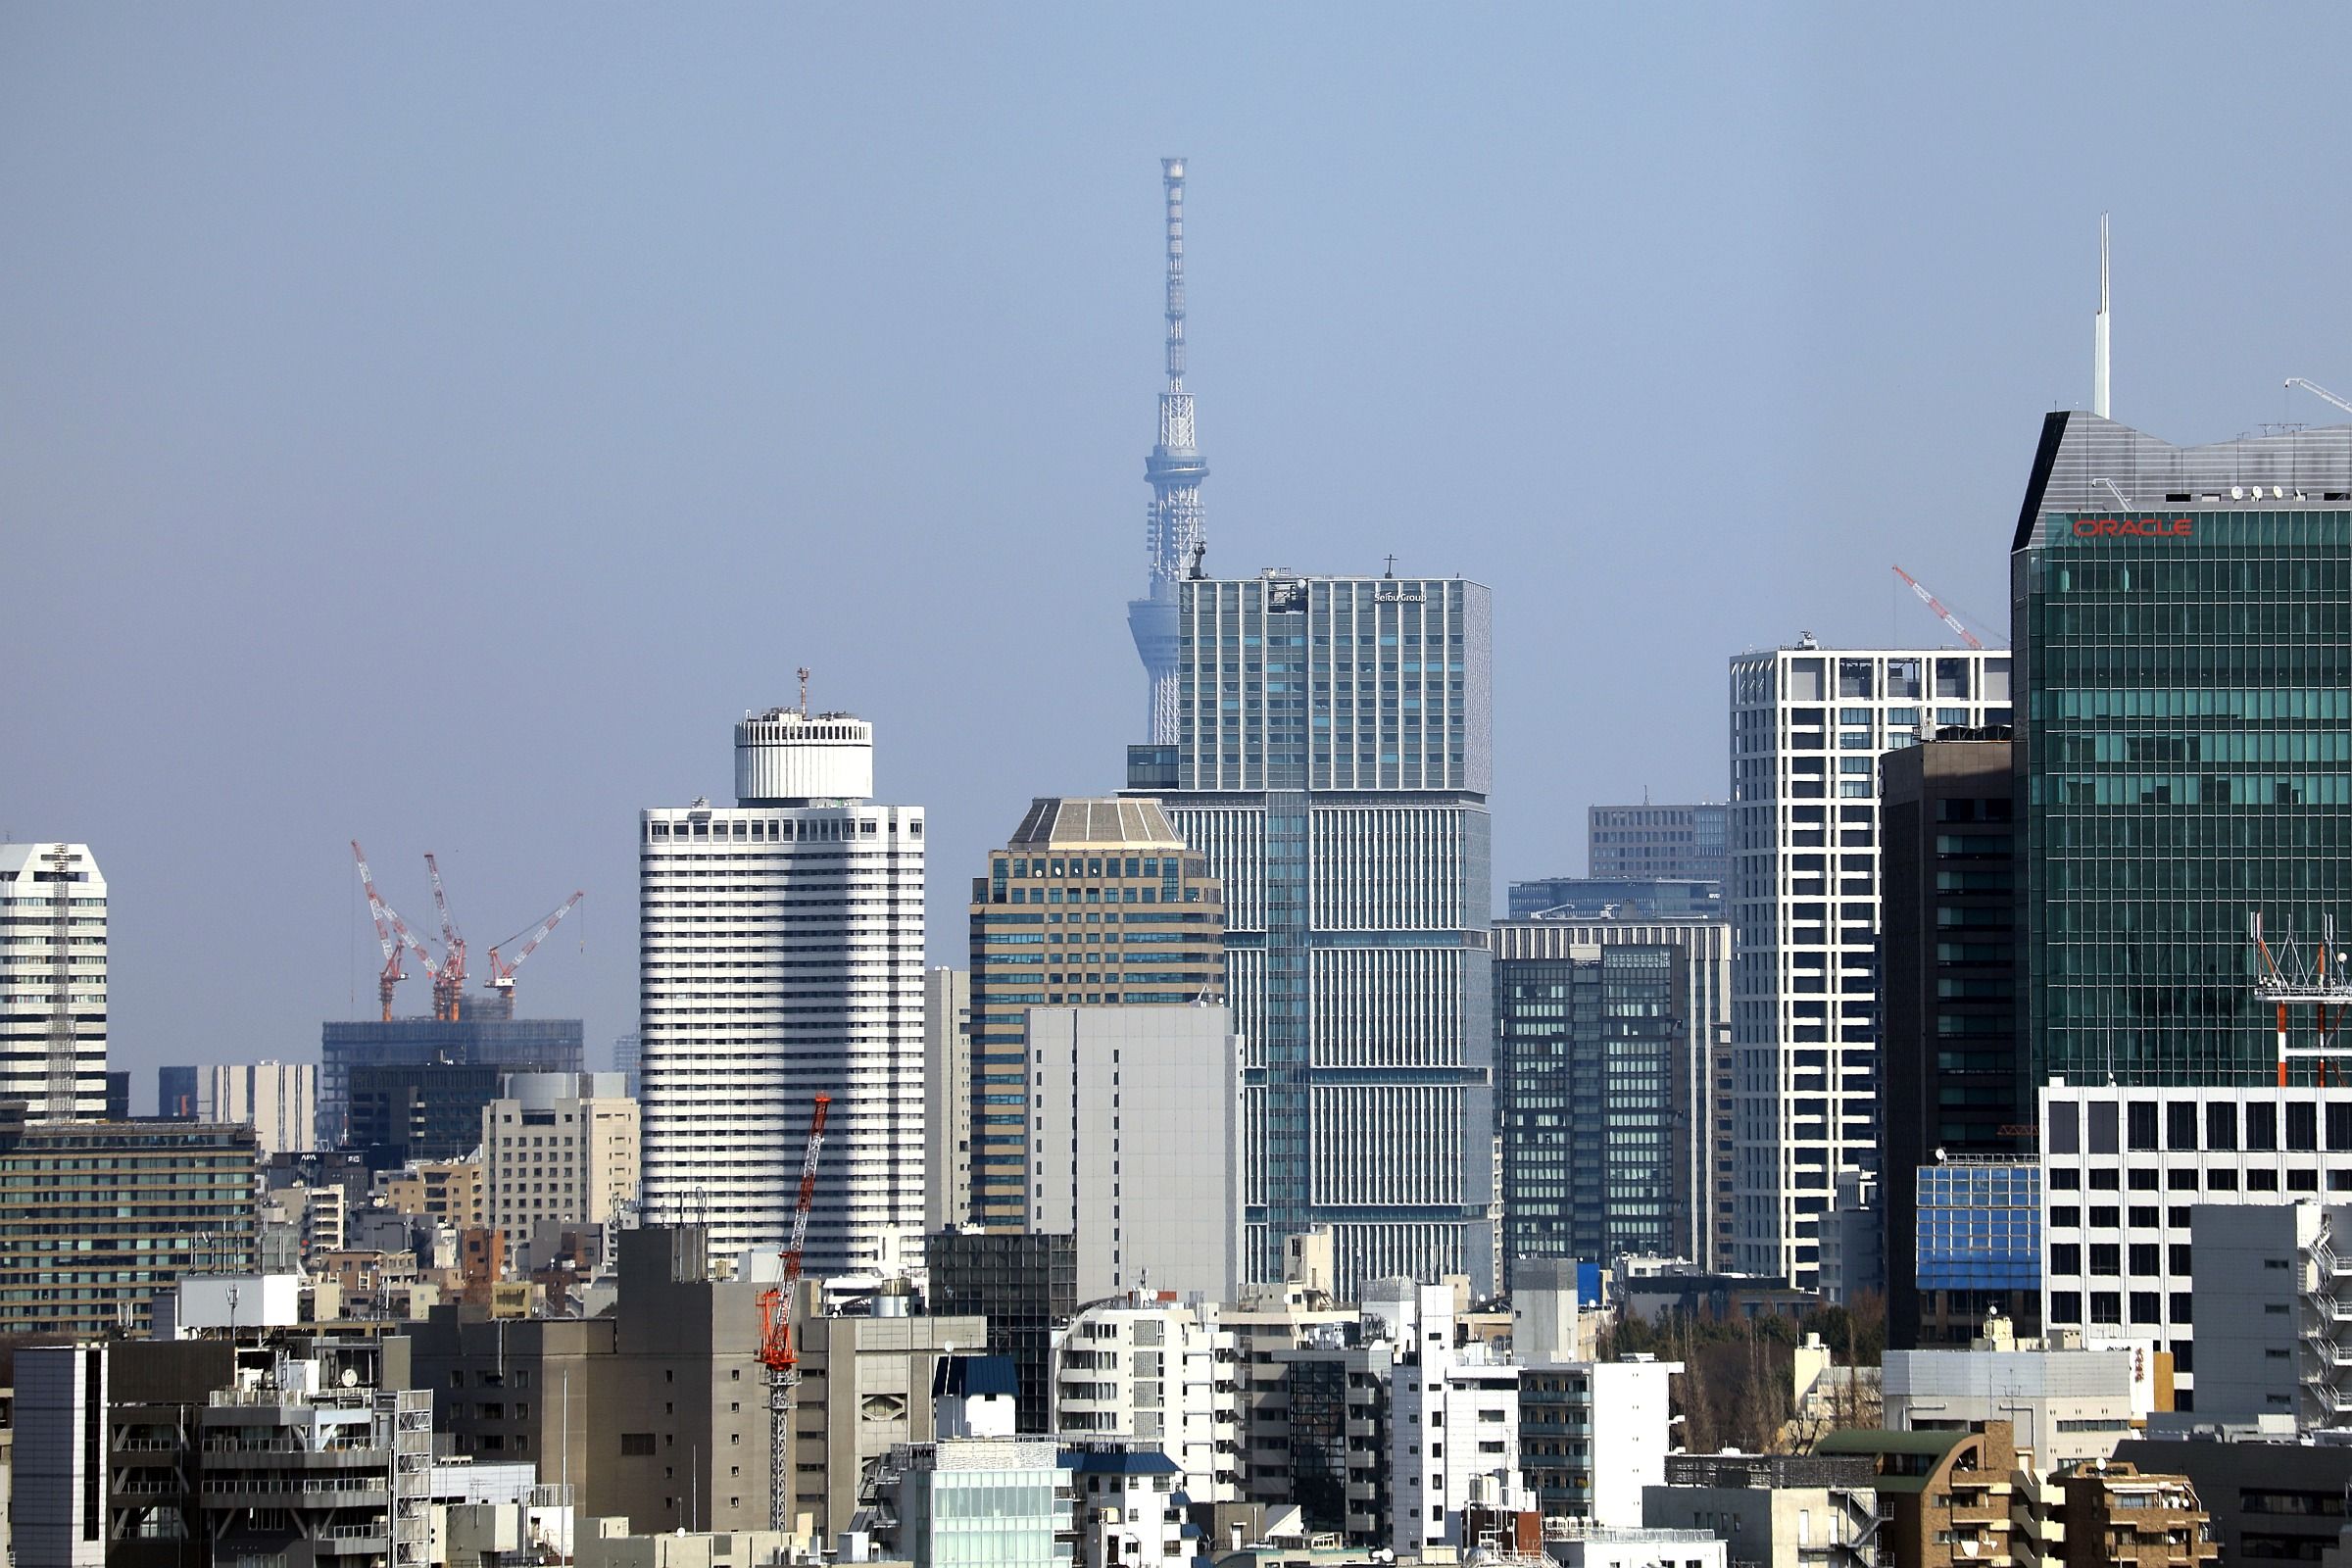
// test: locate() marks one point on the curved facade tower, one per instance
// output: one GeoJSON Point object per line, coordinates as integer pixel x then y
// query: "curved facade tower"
{"type": "Point", "coordinates": [1174, 469]}
{"type": "Point", "coordinates": [781, 956]}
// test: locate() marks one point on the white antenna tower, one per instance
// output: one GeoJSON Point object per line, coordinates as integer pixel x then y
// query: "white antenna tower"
{"type": "Point", "coordinates": [1174, 470]}
{"type": "Point", "coordinates": [2098, 333]}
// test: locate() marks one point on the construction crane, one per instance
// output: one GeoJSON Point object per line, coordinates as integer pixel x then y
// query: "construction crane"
{"type": "Point", "coordinates": [449, 981]}
{"type": "Point", "coordinates": [776, 1350]}
{"type": "Point", "coordinates": [1941, 614]}
{"type": "Point", "coordinates": [501, 983]}
{"type": "Point", "coordinates": [390, 932]}
{"type": "Point", "coordinates": [2318, 391]}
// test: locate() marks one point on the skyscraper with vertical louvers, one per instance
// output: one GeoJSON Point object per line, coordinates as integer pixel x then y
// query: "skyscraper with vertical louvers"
{"type": "Point", "coordinates": [1332, 762]}
{"type": "Point", "coordinates": [782, 958]}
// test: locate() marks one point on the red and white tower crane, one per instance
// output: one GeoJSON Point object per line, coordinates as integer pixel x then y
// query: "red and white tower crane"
{"type": "Point", "coordinates": [449, 981]}
{"type": "Point", "coordinates": [390, 932]}
{"type": "Point", "coordinates": [777, 1353]}
{"type": "Point", "coordinates": [501, 983]}
{"type": "Point", "coordinates": [1935, 603]}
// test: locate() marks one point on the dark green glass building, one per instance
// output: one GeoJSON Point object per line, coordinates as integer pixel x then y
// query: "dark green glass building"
{"type": "Point", "coordinates": [2184, 625]}
{"type": "Point", "coordinates": [1587, 1043]}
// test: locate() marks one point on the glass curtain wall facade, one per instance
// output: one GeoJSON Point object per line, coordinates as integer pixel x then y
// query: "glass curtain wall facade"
{"type": "Point", "coordinates": [1952, 1076]}
{"type": "Point", "coordinates": [1700, 1131]}
{"type": "Point", "coordinates": [2187, 738]}
{"type": "Point", "coordinates": [1587, 1047]}
{"type": "Point", "coordinates": [1976, 1248]}
{"type": "Point", "coordinates": [1332, 763]}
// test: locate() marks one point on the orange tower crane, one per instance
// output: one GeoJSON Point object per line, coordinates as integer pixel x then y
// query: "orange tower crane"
{"type": "Point", "coordinates": [776, 1350]}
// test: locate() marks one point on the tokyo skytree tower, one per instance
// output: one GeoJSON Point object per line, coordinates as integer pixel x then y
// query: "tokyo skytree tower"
{"type": "Point", "coordinates": [1174, 469]}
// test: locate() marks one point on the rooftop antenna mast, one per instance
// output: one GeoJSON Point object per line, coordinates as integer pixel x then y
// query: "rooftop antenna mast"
{"type": "Point", "coordinates": [2098, 333]}
{"type": "Point", "coordinates": [804, 691]}
{"type": "Point", "coordinates": [1172, 535]}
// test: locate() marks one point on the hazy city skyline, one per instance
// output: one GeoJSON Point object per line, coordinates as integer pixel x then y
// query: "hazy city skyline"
{"type": "Point", "coordinates": [438, 428]}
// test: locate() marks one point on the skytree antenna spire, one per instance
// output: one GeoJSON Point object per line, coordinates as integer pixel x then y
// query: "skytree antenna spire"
{"type": "Point", "coordinates": [1175, 468]}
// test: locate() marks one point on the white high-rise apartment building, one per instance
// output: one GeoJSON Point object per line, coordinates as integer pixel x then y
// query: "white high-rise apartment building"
{"type": "Point", "coordinates": [53, 980]}
{"type": "Point", "coordinates": [277, 1099]}
{"type": "Point", "coordinates": [1808, 725]}
{"type": "Point", "coordinates": [781, 957]}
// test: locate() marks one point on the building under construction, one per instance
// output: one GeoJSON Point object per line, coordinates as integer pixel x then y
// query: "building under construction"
{"type": "Point", "coordinates": [506, 1045]}
{"type": "Point", "coordinates": [424, 1078]}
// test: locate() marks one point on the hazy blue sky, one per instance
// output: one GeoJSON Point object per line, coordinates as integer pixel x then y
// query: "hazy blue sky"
{"type": "Point", "coordinates": [438, 426]}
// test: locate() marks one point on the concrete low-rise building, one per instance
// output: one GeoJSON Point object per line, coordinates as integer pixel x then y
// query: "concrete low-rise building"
{"type": "Point", "coordinates": [607, 1543]}
{"type": "Point", "coordinates": [2067, 1405]}
{"type": "Point", "coordinates": [1580, 1543]}
{"type": "Point", "coordinates": [657, 1410]}
{"type": "Point", "coordinates": [1773, 1510]}
{"type": "Point", "coordinates": [1128, 1502]}
{"type": "Point", "coordinates": [867, 1387]}
{"type": "Point", "coordinates": [2274, 1332]}
{"type": "Point", "coordinates": [1945, 1497]}
{"type": "Point", "coordinates": [131, 1451]}
{"type": "Point", "coordinates": [2116, 1515]}
{"type": "Point", "coordinates": [1593, 1436]}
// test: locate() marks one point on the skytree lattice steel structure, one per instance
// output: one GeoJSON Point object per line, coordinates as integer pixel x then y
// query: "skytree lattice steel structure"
{"type": "Point", "coordinates": [1174, 469]}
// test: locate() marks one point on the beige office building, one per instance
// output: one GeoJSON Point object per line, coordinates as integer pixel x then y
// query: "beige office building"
{"type": "Point", "coordinates": [1093, 903]}
{"type": "Point", "coordinates": [559, 1147]}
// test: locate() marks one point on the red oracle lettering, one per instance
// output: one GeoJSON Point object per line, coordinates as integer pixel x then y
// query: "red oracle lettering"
{"type": "Point", "coordinates": [2134, 527]}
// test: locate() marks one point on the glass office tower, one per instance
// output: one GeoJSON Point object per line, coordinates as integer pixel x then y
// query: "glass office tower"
{"type": "Point", "coordinates": [1332, 763]}
{"type": "Point", "coordinates": [1588, 1042]}
{"type": "Point", "coordinates": [2183, 626]}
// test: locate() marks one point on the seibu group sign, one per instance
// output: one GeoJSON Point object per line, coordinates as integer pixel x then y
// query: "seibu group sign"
{"type": "Point", "coordinates": [2134, 528]}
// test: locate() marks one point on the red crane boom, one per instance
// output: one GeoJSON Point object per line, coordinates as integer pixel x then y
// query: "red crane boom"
{"type": "Point", "coordinates": [502, 971]}
{"type": "Point", "coordinates": [776, 1350]}
{"type": "Point", "coordinates": [449, 981]}
{"type": "Point", "coordinates": [1941, 614]}
{"type": "Point", "coordinates": [390, 932]}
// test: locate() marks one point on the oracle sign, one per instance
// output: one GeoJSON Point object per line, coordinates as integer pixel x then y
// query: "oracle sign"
{"type": "Point", "coordinates": [2133, 527]}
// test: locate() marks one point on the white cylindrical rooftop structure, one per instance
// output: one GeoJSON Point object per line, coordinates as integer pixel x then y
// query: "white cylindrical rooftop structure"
{"type": "Point", "coordinates": [784, 757]}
